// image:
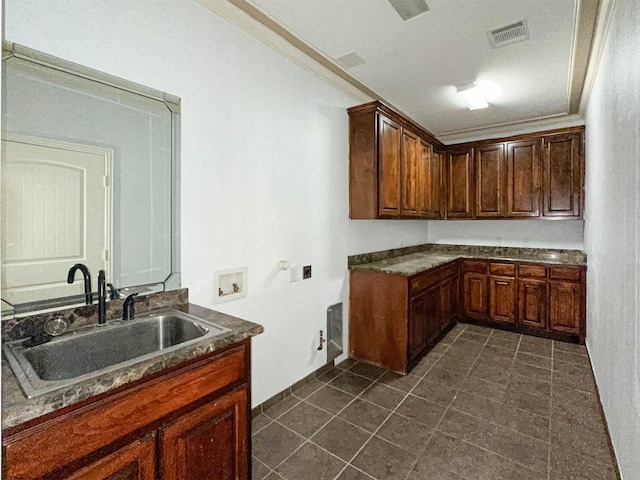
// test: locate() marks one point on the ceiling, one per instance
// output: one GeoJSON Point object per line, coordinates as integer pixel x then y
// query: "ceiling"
{"type": "Point", "coordinates": [416, 65]}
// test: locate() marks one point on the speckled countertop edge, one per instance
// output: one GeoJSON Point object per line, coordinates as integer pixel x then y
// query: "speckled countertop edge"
{"type": "Point", "coordinates": [432, 255]}
{"type": "Point", "coordinates": [17, 408]}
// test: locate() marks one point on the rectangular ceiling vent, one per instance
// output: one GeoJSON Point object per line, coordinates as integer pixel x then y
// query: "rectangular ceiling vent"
{"type": "Point", "coordinates": [508, 34]}
{"type": "Point", "coordinates": [408, 9]}
{"type": "Point", "coordinates": [350, 60]}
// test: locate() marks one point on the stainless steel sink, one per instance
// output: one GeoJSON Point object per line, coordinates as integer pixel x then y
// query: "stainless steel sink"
{"type": "Point", "coordinates": [90, 352]}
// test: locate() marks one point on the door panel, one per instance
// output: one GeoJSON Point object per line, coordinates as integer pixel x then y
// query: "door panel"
{"type": "Point", "coordinates": [460, 185]}
{"type": "Point", "coordinates": [410, 152]}
{"type": "Point", "coordinates": [417, 324]}
{"type": "Point", "coordinates": [502, 295]}
{"type": "Point", "coordinates": [389, 168]}
{"type": "Point", "coordinates": [562, 176]}
{"type": "Point", "coordinates": [532, 302]}
{"type": "Point", "coordinates": [475, 296]}
{"type": "Point", "coordinates": [565, 301]}
{"type": "Point", "coordinates": [490, 176]}
{"type": "Point", "coordinates": [524, 178]}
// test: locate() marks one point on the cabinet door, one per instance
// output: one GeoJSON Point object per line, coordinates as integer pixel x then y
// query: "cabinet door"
{"type": "Point", "coordinates": [460, 184]}
{"type": "Point", "coordinates": [417, 324]}
{"type": "Point", "coordinates": [523, 178]}
{"type": "Point", "coordinates": [475, 296]}
{"type": "Point", "coordinates": [429, 182]}
{"type": "Point", "coordinates": [209, 443]}
{"type": "Point", "coordinates": [410, 153]}
{"type": "Point", "coordinates": [532, 302]}
{"type": "Point", "coordinates": [490, 181]}
{"type": "Point", "coordinates": [565, 300]}
{"type": "Point", "coordinates": [388, 168]}
{"type": "Point", "coordinates": [502, 299]}
{"type": "Point", "coordinates": [448, 301]}
{"type": "Point", "coordinates": [437, 185]}
{"type": "Point", "coordinates": [136, 461]}
{"type": "Point", "coordinates": [432, 303]}
{"type": "Point", "coordinates": [562, 176]}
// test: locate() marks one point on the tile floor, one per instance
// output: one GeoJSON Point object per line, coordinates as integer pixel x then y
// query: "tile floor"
{"type": "Point", "coordinates": [482, 405]}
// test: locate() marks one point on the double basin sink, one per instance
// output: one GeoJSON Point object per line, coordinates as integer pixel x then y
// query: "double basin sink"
{"type": "Point", "coordinates": [92, 351]}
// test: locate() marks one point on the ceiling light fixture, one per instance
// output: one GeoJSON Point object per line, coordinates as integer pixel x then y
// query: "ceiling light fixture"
{"type": "Point", "coordinates": [473, 96]}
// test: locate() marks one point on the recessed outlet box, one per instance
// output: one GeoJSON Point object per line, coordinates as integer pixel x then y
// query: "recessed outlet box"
{"type": "Point", "coordinates": [306, 272]}
{"type": "Point", "coordinates": [293, 274]}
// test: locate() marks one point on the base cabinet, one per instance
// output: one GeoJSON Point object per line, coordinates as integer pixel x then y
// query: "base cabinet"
{"type": "Point", "coordinates": [565, 305]}
{"type": "Point", "coordinates": [190, 423]}
{"type": "Point", "coordinates": [502, 299]}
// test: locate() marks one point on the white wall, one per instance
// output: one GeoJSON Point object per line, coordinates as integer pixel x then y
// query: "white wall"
{"type": "Point", "coordinates": [264, 161]}
{"type": "Point", "coordinates": [612, 233]}
{"type": "Point", "coordinates": [564, 234]}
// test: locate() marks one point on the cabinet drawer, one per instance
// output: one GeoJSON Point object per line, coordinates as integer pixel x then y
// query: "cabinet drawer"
{"type": "Point", "coordinates": [432, 277]}
{"type": "Point", "coordinates": [504, 269]}
{"type": "Point", "coordinates": [70, 437]}
{"type": "Point", "coordinates": [564, 273]}
{"type": "Point", "coordinates": [477, 266]}
{"type": "Point", "coordinates": [532, 271]}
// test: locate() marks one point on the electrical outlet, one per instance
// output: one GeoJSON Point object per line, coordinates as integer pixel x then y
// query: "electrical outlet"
{"type": "Point", "coordinates": [293, 273]}
{"type": "Point", "coordinates": [306, 272]}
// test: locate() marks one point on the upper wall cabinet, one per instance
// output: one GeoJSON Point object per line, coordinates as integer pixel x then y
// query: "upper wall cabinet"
{"type": "Point", "coordinates": [398, 170]}
{"type": "Point", "coordinates": [393, 171]}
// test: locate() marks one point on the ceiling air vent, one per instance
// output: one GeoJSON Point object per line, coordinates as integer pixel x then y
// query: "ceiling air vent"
{"type": "Point", "coordinates": [408, 9]}
{"type": "Point", "coordinates": [508, 34]}
{"type": "Point", "coordinates": [350, 60]}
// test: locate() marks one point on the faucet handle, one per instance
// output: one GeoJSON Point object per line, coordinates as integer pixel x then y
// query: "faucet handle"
{"type": "Point", "coordinates": [128, 307]}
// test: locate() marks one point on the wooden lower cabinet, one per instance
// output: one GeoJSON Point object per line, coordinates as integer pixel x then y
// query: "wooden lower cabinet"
{"type": "Point", "coordinates": [502, 299]}
{"type": "Point", "coordinates": [209, 443]}
{"type": "Point", "coordinates": [475, 295]}
{"type": "Point", "coordinates": [136, 461]}
{"type": "Point", "coordinates": [188, 423]}
{"type": "Point", "coordinates": [393, 319]}
{"type": "Point", "coordinates": [565, 306]}
{"type": "Point", "coordinates": [532, 302]}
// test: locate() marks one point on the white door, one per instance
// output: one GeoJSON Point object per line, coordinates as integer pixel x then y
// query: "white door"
{"type": "Point", "coordinates": [56, 211]}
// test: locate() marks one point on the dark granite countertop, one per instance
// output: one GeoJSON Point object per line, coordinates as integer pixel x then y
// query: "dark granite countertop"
{"type": "Point", "coordinates": [414, 260]}
{"type": "Point", "coordinates": [17, 408]}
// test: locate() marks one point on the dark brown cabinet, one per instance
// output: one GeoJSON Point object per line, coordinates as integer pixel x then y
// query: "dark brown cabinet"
{"type": "Point", "coordinates": [502, 299]}
{"type": "Point", "coordinates": [133, 462]}
{"type": "Point", "coordinates": [475, 296]}
{"type": "Point", "coordinates": [563, 175]}
{"type": "Point", "coordinates": [524, 173]}
{"type": "Point", "coordinates": [532, 302]}
{"type": "Point", "coordinates": [411, 155]}
{"type": "Point", "coordinates": [214, 434]}
{"type": "Point", "coordinates": [460, 184]}
{"type": "Point", "coordinates": [429, 183]}
{"type": "Point", "coordinates": [190, 422]}
{"type": "Point", "coordinates": [490, 181]}
{"type": "Point", "coordinates": [393, 319]}
{"type": "Point", "coordinates": [390, 184]}
{"type": "Point", "coordinates": [567, 299]}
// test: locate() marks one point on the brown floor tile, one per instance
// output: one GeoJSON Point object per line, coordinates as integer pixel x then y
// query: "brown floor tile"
{"type": "Point", "coordinates": [573, 376]}
{"type": "Point", "coordinates": [400, 382]}
{"type": "Point", "coordinates": [351, 383]}
{"type": "Point", "coordinates": [507, 343]}
{"type": "Point", "coordinates": [365, 415]}
{"type": "Point", "coordinates": [405, 433]}
{"type": "Point", "coordinates": [347, 364]}
{"type": "Point", "coordinates": [367, 370]}
{"type": "Point", "coordinates": [421, 411]}
{"type": "Point", "coordinates": [473, 337]}
{"type": "Point", "coordinates": [330, 375]}
{"type": "Point", "coordinates": [458, 364]}
{"type": "Point", "coordinates": [425, 364]}
{"type": "Point", "coordinates": [534, 360]}
{"type": "Point", "coordinates": [258, 469]}
{"type": "Point", "coordinates": [478, 329]}
{"type": "Point", "coordinates": [448, 378]}
{"type": "Point", "coordinates": [576, 408]}
{"type": "Point", "coordinates": [560, 355]}
{"type": "Point", "coordinates": [495, 360]}
{"type": "Point", "coordinates": [567, 465]}
{"type": "Point", "coordinates": [303, 391]}
{"type": "Point", "coordinates": [383, 395]}
{"type": "Point", "coordinates": [570, 347]}
{"type": "Point", "coordinates": [497, 351]}
{"type": "Point", "coordinates": [521, 421]}
{"type": "Point", "coordinates": [536, 345]}
{"type": "Point", "coordinates": [516, 446]}
{"type": "Point", "coordinates": [259, 422]}
{"type": "Point", "coordinates": [310, 459]}
{"type": "Point", "coordinates": [531, 371]}
{"type": "Point", "coordinates": [505, 334]}
{"type": "Point", "coordinates": [330, 399]}
{"type": "Point", "coordinates": [465, 346]}
{"type": "Point", "coordinates": [450, 337]}
{"type": "Point", "coordinates": [448, 454]}
{"type": "Point", "coordinates": [281, 407]}
{"type": "Point", "coordinates": [274, 443]}
{"type": "Point", "coordinates": [434, 392]}
{"type": "Point", "coordinates": [482, 388]}
{"type": "Point", "coordinates": [274, 476]}
{"type": "Point", "coordinates": [304, 419]}
{"type": "Point", "coordinates": [341, 438]}
{"type": "Point", "coordinates": [490, 373]}
{"type": "Point", "coordinates": [529, 402]}
{"type": "Point", "coordinates": [471, 404]}
{"type": "Point", "coordinates": [591, 444]}
{"type": "Point", "coordinates": [438, 349]}
{"type": "Point", "coordinates": [352, 473]}
{"type": "Point", "coordinates": [384, 460]}
{"type": "Point", "coordinates": [529, 385]}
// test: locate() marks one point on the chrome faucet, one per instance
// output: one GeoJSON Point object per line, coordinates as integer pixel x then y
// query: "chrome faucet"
{"type": "Point", "coordinates": [88, 296]}
{"type": "Point", "coordinates": [102, 298]}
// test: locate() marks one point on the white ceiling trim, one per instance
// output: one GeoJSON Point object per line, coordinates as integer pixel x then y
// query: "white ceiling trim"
{"type": "Point", "coordinates": [605, 12]}
{"type": "Point", "coordinates": [574, 43]}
